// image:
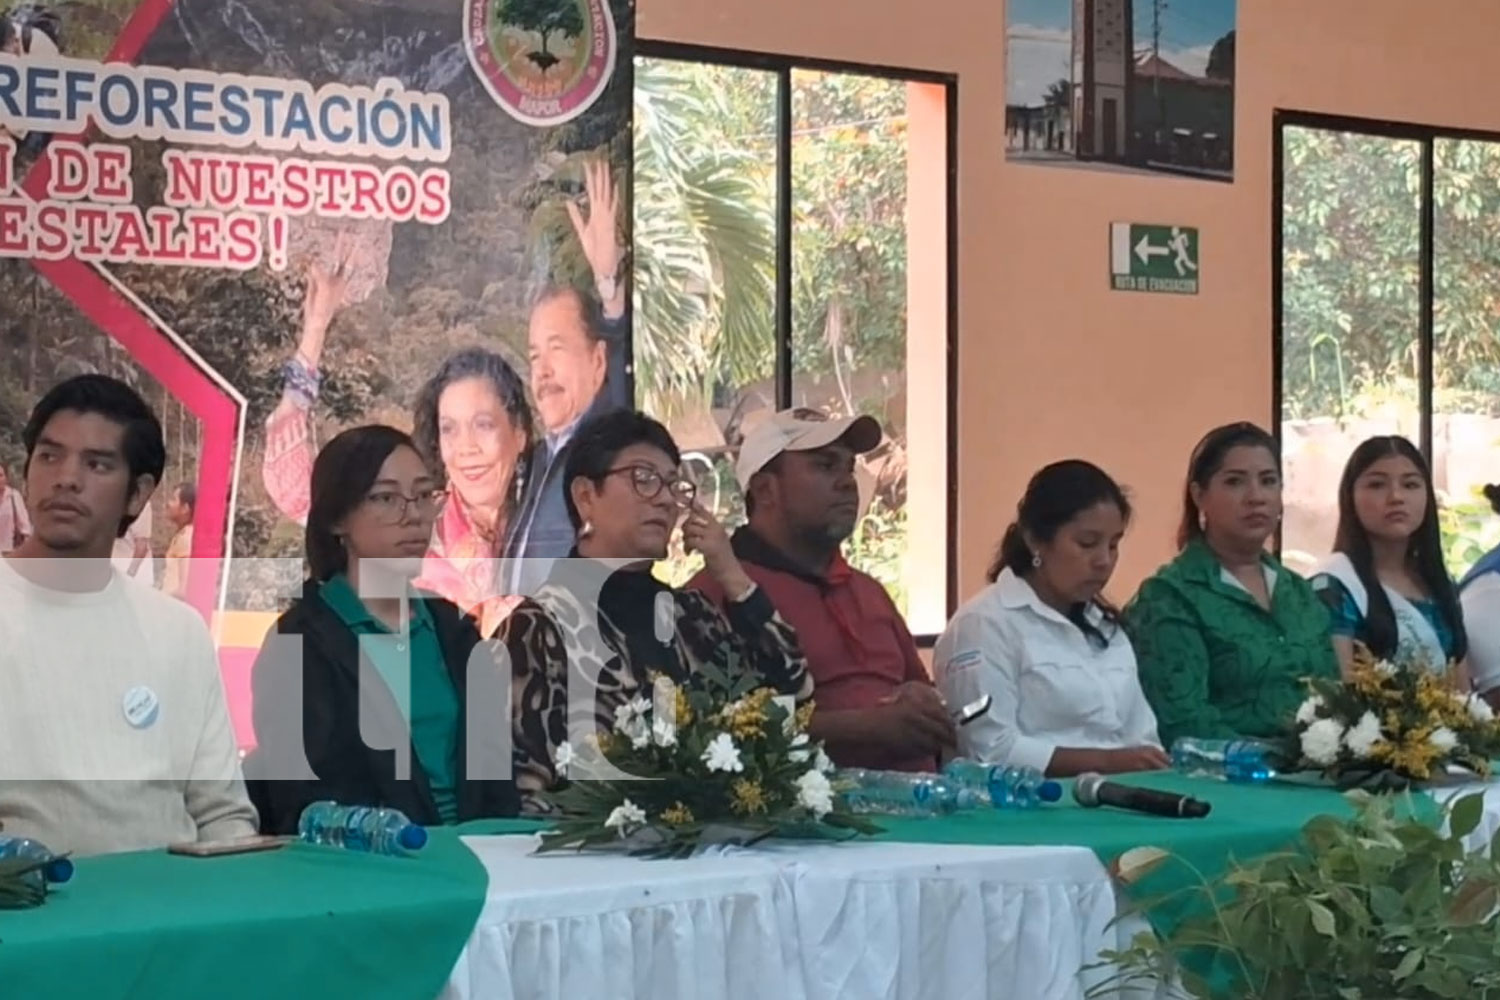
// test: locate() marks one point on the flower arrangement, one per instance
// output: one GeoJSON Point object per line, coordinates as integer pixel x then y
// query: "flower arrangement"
{"type": "Point", "coordinates": [1387, 725]}
{"type": "Point", "coordinates": [719, 760]}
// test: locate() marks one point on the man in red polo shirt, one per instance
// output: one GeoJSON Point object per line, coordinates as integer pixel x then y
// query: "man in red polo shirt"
{"type": "Point", "coordinates": [877, 706]}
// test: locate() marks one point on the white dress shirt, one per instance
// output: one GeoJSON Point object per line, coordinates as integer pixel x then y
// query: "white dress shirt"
{"type": "Point", "coordinates": [1050, 685]}
{"type": "Point", "coordinates": [1481, 604]}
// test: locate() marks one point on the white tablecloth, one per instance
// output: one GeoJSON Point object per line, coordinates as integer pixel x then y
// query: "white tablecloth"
{"type": "Point", "coordinates": [789, 922]}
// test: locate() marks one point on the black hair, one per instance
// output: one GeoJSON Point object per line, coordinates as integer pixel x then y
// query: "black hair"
{"type": "Point", "coordinates": [1492, 494]}
{"type": "Point", "coordinates": [142, 445]}
{"type": "Point", "coordinates": [1424, 550]}
{"type": "Point", "coordinates": [1208, 459]}
{"type": "Point", "coordinates": [187, 494]}
{"type": "Point", "coordinates": [342, 475]}
{"type": "Point", "coordinates": [25, 18]}
{"type": "Point", "coordinates": [1056, 495]}
{"type": "Point", "coordinates": [589, 308]}
{"type": "Point", "coordinates": [474, 362]}
{"type": "Point", "coordinates": [598, 442]}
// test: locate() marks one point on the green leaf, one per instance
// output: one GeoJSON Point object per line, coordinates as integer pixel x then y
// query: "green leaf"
{"type": "Point", "coordinates": [1409, 964]}
{"type": "Point", "coordinates": [1466, 815]}
{"type": "Point", "coordinates": [1324, 922]}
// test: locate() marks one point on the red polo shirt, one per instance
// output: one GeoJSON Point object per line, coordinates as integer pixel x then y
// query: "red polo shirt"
{"type": "Point", "coordinates": [858, 648]}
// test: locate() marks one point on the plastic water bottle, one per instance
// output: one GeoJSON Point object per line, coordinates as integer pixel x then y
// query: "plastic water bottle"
{"type": "Point", "coordinates": [53, 869]}
{"type": "Point", "coordinates": [1231, 760]}
{"type": "Point", "coordinates": [360, 828]}
{"type": "Point", "coordinates": [1003, 787]}
{"type": "Point", "coordinates": [902, 793]}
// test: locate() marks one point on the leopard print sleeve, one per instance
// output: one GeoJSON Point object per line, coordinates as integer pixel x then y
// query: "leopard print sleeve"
{"type": "Point", "coordinates": [539, 700]}
{"type": "Point", "coordinates": [754, 630]}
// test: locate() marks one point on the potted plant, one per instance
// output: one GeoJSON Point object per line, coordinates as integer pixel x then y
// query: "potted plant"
{"type": "Point", "coordinates": [1382, 906]}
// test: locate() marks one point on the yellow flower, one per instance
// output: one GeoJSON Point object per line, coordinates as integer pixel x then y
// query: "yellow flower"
{"type": "Point", "coordinates": [1383, 751]}
{"type": "Point", "coordinates": [804, 716]}
{"type": "Point", "coordinates": [683, 709]}
{"type": "Point", "coordinates": [677, 815]}
{"type": "Point", "coordinates": [1416, 753]}
{"type": "Point", "coordinates": [746, 718]}
{"type": "Point", "coordinates": [1431, 694]}
{"type": "Point", "coordinates": [749, 797]}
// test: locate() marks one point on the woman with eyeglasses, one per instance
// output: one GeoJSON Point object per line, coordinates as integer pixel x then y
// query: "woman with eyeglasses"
{"type": "Point", "coordinates": [360, 691]}
{"type": "Point", "coordinates": [603, 626]}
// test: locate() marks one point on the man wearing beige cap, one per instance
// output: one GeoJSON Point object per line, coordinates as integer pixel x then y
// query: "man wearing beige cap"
{"type": "Point", "coordinates": [876, 703]}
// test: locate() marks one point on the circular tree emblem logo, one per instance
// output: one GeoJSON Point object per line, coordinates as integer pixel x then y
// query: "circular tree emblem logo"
{"type": "Point", "coordinates": [544, 61]}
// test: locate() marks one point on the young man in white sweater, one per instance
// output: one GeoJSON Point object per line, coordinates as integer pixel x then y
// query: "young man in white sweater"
{"type": "Point", "coordinates": [114, 734]}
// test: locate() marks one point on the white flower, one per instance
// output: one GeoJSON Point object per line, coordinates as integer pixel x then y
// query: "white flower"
{"type": "Point", "coordinates": [722, 754]}
{"type": "Point", "coordinates": [1320, 741]}
{"type": "Point", "coordinates": [1308, 710]}
{"type": "Point", "coordinates": [663, 732]}
{"type": "Point", "coordinates": [1479, 709]}
{"type": "Point", "coordinates": [799, 751]}
{"type": "Point", "coordinates": [1362, 737]}
{"type": "Point", "coordinates": [626, 817]}
{"type": "Point", "coordinates": [627, 713]}
{"type": "Point", "coordinates": [564, 757]}
{"type": "Point", "coordinates": [815, 793]}
{"type": "Point", "coordinates": [1386, 668]}
{"type": "Point", "coordinates": [822, 763]}
{"type": "Point", "coordinates": [1443, 738]}
{"type": "Point", "coordinates": [631, 721]}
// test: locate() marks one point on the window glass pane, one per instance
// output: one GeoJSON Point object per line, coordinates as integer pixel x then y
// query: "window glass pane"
{"type": "Point", "coordinates": [1466, 341]}
{"type": "Point", "coordinates": [1351, 314]}
{"type": "Point", "coordinates": [849, 278]}
{"type": "Point", "coordinates": [704, 262]}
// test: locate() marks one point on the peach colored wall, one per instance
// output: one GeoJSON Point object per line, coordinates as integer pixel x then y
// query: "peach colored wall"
{"type": "Point", "coordinates": [1129, 381]}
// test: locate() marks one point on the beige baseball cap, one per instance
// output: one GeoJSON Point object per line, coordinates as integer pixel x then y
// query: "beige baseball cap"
{"type": "Point", "coordinates": [802, 429]}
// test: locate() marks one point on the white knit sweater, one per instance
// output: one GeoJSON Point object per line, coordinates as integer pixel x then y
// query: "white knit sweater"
{"type": "Point", "coordinates": [114, 734]}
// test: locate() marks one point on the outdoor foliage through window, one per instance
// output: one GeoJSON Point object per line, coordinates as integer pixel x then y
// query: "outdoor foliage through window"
{"type": "Point", "coordinates": [705, 270]}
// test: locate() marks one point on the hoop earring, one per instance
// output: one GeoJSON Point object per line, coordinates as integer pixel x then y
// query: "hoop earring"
{"type": "Point", "coordinates": [586, 530]}
{"type": "Point", "coordinates": [1036, 562]}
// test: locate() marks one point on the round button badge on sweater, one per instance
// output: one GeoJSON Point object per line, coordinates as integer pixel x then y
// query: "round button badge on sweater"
{"type": "Point", "coordinates": [141, 707]}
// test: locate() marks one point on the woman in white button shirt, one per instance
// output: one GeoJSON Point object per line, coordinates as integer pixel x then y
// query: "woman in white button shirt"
{"type": "Point", "coordinates": [1043, 643]}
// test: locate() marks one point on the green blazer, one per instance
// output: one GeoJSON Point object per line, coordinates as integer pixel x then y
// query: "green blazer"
{"type": "Point", "coordinates": [1213, 662]}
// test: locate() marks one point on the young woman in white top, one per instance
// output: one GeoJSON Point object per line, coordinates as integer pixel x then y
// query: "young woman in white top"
{"type": "Point", "coordinates": [1043, 643]}
{"type": "Point", "coordinates": [1385, 585]}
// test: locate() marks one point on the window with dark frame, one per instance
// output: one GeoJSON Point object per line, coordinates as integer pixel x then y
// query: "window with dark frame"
{"type": "Point", "coordinates": [794, 246]}
{"type": "Point", "coordinates": [1386, 315]}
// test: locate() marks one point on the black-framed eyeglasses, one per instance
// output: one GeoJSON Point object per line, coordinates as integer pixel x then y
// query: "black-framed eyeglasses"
{"type": "Point", "coordinates": [390, 507]}
{"type": "Point", "coordinates": [648, 484]}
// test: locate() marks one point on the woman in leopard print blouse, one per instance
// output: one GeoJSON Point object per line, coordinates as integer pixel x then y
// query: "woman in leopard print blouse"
{"type": "Point", "coordinates": [590, 639]}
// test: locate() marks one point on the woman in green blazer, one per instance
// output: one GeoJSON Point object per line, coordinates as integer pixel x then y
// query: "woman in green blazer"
{"type": "Point", "coordinates": [1224, 634]}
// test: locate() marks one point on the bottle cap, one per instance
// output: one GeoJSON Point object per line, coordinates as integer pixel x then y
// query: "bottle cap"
{"type": "Point", "coordinates": [412, 837]}
{"type": "Point", "coordinates": [1049, 791]}
{"type": "Point", "coordinates": [58, 871]}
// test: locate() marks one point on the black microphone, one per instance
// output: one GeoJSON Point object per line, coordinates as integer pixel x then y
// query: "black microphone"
{"type": "Point", "coordinates": [1092, 790]}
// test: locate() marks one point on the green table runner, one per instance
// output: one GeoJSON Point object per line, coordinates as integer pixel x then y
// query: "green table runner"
{"type": "Point", "coordinates": [1246, 820]}
{"type": "Point", "coordinates": [297, 922]}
